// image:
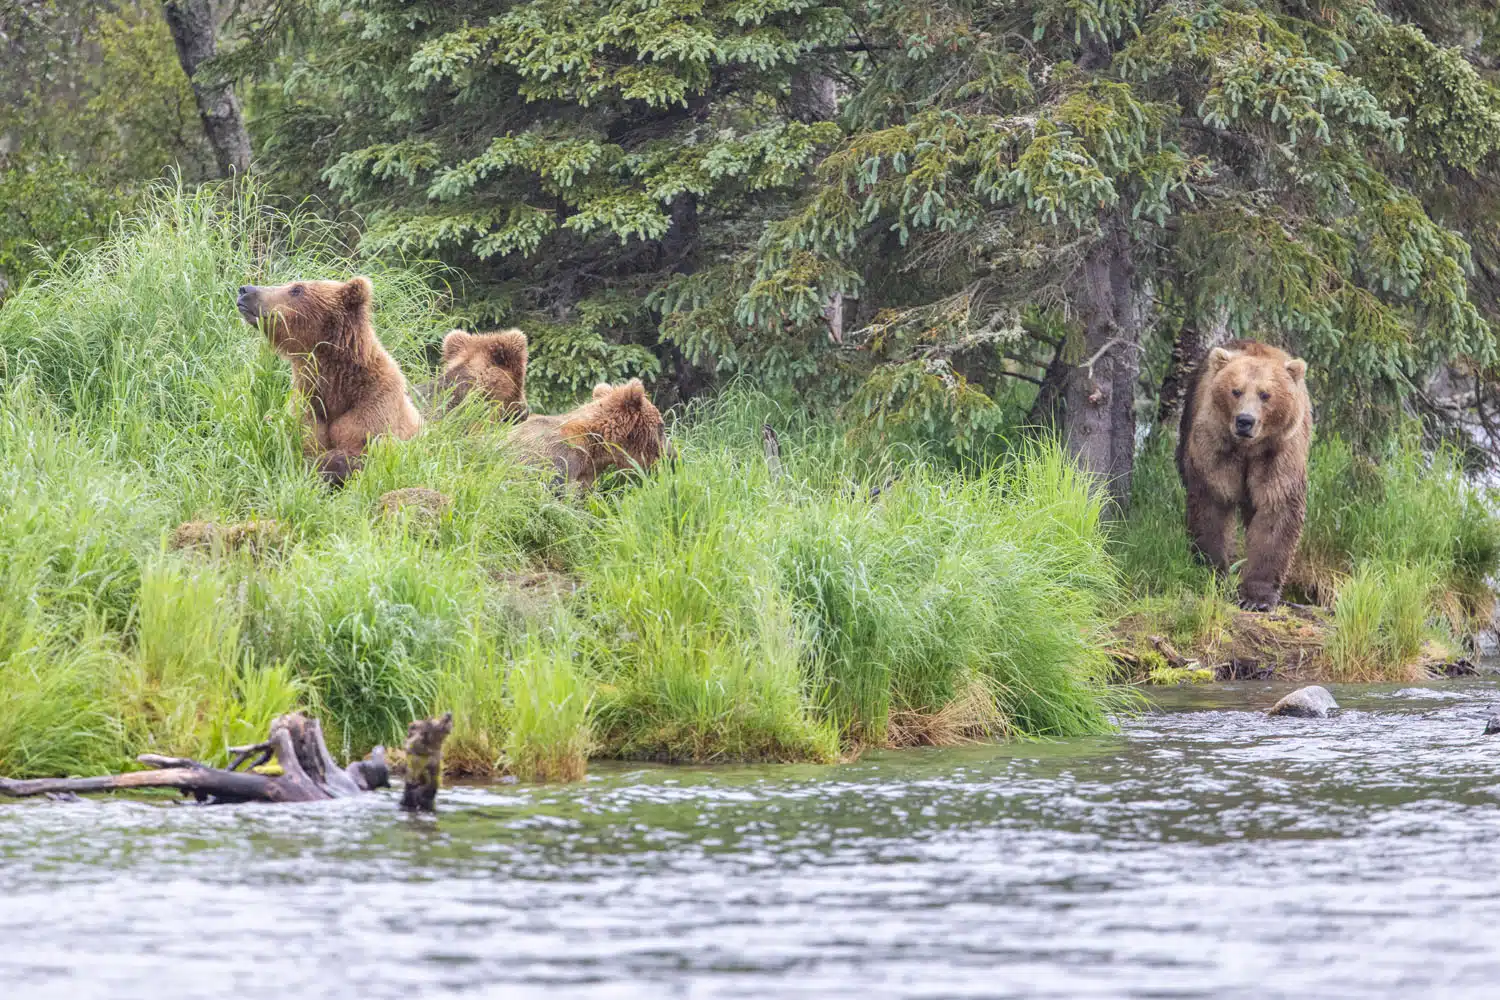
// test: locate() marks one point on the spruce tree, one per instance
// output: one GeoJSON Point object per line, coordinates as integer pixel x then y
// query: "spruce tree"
{"type": "Point", "coordinates": [1061, 182]}
{"type": "Point", "coordinates": [945, 213]}
{"type": "Point", "coordinates": [568, 156]}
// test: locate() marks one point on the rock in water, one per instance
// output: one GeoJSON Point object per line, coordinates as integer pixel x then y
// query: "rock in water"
{"type": "Point", "coordinates": [1492, 724]}
{"type": "Point", "coordinates": [1311, 702]}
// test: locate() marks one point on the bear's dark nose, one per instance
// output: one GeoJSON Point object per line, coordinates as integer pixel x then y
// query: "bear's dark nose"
{"type": "Point", "coordinates": [1244, 423]}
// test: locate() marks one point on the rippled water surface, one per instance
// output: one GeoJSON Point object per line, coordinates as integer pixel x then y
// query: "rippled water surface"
{"type": "Point", "coordinates": [1207, 851]}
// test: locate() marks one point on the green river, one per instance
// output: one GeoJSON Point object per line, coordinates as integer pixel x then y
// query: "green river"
{"type": "Point", "coordinates": [1205, 851]}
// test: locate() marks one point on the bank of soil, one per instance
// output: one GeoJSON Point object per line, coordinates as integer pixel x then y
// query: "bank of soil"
{"type": "Point", "coordinates": [1290, 643]}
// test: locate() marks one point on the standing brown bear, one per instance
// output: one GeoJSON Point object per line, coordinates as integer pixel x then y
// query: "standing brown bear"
{"type": "Point", "coordinates": [353, 388]}
{"type": "Point", "coordinates": [618, 428]}
{"type": "Point", "coordinates": [491, 364]}
{"type": "Point", "coordinates": [1246, 428]}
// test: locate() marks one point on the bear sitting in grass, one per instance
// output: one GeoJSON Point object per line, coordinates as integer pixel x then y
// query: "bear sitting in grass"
{"type": "Point", "coordinates": [618, 428]}
{"type": "Point", "coordinates": [490, 364]}
{"type": "Point", "coordinates": [353, 388]}
{"type": "Point", "coordinates": [1246, 429]}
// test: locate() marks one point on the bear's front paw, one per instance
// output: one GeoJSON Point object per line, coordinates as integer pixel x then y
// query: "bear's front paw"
{"type": "Point", "coordinates": [1257, 599]}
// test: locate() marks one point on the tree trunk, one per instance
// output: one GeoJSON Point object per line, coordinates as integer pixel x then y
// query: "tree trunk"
{"type": "Point", "coordinates": [1098, 394]}
{"type": "Point", "coordinates": [194, 31]}
{"type": "Point", "coordinates": [1193, 342]}
{"type": "Point", "coordinates": [814, 97]}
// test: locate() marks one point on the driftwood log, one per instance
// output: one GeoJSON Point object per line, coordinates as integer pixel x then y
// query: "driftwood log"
{"type": "Point", "coordinates": [308, 772]}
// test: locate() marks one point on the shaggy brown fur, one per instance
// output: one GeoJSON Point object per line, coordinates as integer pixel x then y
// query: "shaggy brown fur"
{"type": "Point", "coordinates": [1246, 428]}
{"type": "Point", "coordinates": [618, 428]}
{"type": "Point", "coordinates": [353, 388]}
{"type": "Point", "coordinates": [491, 364]}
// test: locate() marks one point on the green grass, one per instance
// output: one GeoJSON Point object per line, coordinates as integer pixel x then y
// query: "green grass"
{"type": "Point", "coordinates": [708, 611]}
{"type": "Point", "coordinates": [549, 730]}
{"type": "Point", "coordinates": [1380, 621]}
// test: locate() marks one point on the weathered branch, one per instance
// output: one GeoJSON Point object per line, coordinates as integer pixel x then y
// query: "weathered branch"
{"type": "Point", "coordinates": [424, 762]}
{"type": "Point", "coordinates": [308, 772]}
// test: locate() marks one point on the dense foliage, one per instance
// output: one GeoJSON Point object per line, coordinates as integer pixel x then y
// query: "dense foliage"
{"type": "Point", "coordinates": [937, 206]}
{"type": "Point", "coordinates": [945, 215]}
{"type": "Point", "coordinates": [93, 108]}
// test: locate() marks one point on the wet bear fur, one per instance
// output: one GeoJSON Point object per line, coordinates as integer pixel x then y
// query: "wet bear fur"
{"type": "Point", "coordinates": [354, 390]}
{"type": "Point", "coordinates": [1242, 447]}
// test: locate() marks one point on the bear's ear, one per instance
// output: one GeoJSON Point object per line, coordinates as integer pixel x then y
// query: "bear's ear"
{"type": "Point", "coordinates": [510, 349]}
{"type": "Point", "coordinates": [1218, 358]}
{"type": "Point", "coordinates": [602, 389]}
{"type": "Point", "coordinates": [1297, 369]}
{"type": "Point", "coordinates": [453, 343]}
{"type": "Point", "coordinates": [357, 292]}
{"type": "Point", "coordinates": [630, 396]}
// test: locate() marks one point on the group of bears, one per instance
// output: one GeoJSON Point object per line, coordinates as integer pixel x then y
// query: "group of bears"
{"type": "Point", "coordinates": [1242, 445]}
{"type": "Point", "coordinates": [355, 392]}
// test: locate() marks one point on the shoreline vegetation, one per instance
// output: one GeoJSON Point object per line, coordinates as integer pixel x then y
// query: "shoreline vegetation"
{"type": "Point", "coordinates": [173, 576]}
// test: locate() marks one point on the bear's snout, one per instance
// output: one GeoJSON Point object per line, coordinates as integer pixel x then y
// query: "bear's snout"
{"type": "Point", "coordinates": [1244, 425]}
{"type": "Point", "coordinates": [248, 303]}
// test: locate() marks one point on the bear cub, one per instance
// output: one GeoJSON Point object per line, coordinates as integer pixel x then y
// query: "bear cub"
{"type": "Point", "coordinates": [354, 390]}
{"type": "Point", "coordinates": [618, 428]}
{"type": "Point", "coordinates": [1242, 446]}
{"type": "Point", "coordinates": [491, 364]}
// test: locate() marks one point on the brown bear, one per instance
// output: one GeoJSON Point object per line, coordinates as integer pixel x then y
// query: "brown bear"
{"type": "Point", "coordinates": [1246, 428]}
{"type": "Point", "coordinates": [492, 364]}
{"type": "Point", "coordinates": [353, 388]}
{"type": "Point", "coordinates": [618, 428]}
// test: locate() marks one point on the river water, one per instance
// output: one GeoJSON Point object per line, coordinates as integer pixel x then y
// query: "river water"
{"type": "Point", "coordinates": [1206, 851]}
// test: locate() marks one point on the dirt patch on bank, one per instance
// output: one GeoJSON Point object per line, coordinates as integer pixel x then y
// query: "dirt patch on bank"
{"type": "Point", "coordinates": [1290, 643]}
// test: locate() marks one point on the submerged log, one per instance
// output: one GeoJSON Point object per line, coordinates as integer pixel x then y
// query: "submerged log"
{"type": "Point", "coordinates": [308, 772]}
{"type": "Point", "coordinates": [424, 762]}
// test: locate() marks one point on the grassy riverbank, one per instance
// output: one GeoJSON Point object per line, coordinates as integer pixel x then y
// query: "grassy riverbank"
{"type": "Point", "coordinates": [721, 609]}
{"type": "Point", "coordinates": [715, 611]}
{"type": "Point", "coordinates": [1394, 564]}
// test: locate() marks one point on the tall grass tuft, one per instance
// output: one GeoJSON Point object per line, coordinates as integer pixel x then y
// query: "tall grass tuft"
{"type": "Point", "coordinates": [1380, 621]}
{"type": "Point", "coordinates": [550, 735]}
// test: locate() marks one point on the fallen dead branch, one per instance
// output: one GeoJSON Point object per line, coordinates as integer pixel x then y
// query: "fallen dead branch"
{"type": "Point", "coordinates": [295, 744]}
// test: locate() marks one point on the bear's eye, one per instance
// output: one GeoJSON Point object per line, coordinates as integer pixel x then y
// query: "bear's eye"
{"type": "Point", "coordinates": [1264, 396]}
{"type": "Point", "coordinates": [296, 291]}
{"type": "Point", "coordinates": [1237, 393]}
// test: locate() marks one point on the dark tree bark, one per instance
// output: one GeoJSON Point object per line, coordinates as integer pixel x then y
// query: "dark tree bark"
{"type": "Point", "coordinates": [1098, 394]}
{"type": "Point", "coordinates": [1046, 409]}
{"type": "Point", "coordinates": [814, 97]}
{"type": "Point", "coordinates": [1188, 351]}
{"type": "Point", "coordinates": [194, 28]}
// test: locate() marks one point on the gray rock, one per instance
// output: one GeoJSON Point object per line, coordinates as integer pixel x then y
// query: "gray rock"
{"type": "Point", "coordinates": [1492, 725]}
{"type": "Point", "coordinates": [1311, 702]}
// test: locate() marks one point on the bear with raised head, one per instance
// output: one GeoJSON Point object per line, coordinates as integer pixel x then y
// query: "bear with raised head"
{"type": "Point", "coordinates": [1242, 446]}
{"type": "Point", "coordinates": [354, 390]}
{"type": "Point", "coordinates": [491, 364]}
{"type": "Point", "coordinates": [618, 428]}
